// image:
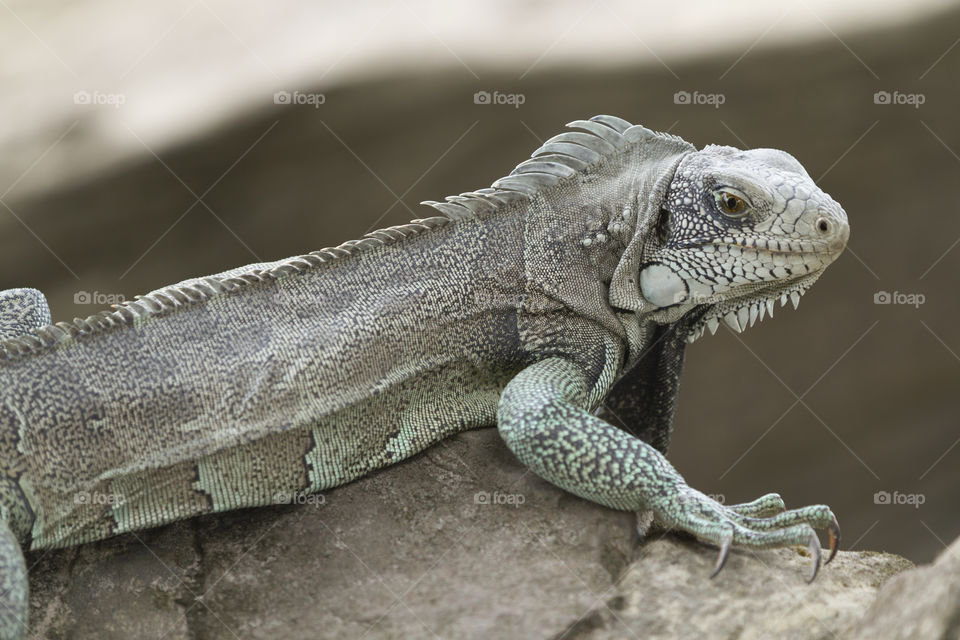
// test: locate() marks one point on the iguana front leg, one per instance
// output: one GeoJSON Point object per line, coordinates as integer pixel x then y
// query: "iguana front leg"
{"type": "Point", "coordinates": [544, 419]}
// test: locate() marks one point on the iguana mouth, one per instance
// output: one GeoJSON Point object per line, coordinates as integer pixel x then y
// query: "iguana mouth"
{"type": "Point", "coordinates": [738, 314]}
{"type": "Point", "coordinates": [793, 248]}
{"type": "Point", "coordinates": [773, 247]}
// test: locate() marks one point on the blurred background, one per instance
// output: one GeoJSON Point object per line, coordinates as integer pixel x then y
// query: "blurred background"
{"type": "Point", "coordinates": [142, 144]}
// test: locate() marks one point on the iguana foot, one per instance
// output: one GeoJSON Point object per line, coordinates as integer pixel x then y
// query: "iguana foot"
{"type": "Point", "coordinates": [762, 524]}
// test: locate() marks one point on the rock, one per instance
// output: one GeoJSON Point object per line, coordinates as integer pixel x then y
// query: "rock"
{"type": "Point", "coordinates": [460, 542]}
{"type": "Point", "coordinates": [920, 603]}
{"type": "Point", "coordinates": [665, 593]}
{"type": "Point", "coordinates": [131, 586]}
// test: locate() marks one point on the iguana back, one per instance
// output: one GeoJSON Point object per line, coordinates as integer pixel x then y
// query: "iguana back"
{"type": "Point", "coordinates": [299, 380]}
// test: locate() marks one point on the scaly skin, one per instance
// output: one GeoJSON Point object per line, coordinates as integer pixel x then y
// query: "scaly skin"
{"type": "Point", "coordinates": [555, 305]}
{"type": "Point", "coordinates": [543, 418]}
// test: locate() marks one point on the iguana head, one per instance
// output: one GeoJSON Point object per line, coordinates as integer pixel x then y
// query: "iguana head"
{"type": "Point", "coordinates": [739, 230]}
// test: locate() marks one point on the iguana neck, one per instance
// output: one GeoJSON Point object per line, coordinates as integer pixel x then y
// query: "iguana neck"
{"type": "Point", "coordinates": [606, 233]}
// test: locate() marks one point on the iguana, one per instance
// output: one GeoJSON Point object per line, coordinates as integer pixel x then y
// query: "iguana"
{"type": "Point", "coordinates": [555, 305]}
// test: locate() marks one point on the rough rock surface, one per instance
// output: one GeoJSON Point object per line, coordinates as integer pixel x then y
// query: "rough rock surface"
{"type": "Point", "coordinates": [458, 542]}
{"type": "Point", "coordinates": [922, 603]}
{"type": "Point", "coordinates": [663, 594]}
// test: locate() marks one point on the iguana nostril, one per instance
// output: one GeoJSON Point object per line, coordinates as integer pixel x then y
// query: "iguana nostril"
{"type": "Point", "coordinates": [823, 225]}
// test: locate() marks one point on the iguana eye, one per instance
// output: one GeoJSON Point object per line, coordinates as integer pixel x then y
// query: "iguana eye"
{"type": "Point", "coordinates": [730, 203]}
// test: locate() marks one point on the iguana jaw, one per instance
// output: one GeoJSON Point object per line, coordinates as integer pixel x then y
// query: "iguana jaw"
{"type": "Point", "coordinates": [738, 313]}
{"type": "Point", "coordinates": [754, 273]}
{"type": "Point", "coordinates": [767, 270]}
{"type": "Point", "coordinates": [788, 266]}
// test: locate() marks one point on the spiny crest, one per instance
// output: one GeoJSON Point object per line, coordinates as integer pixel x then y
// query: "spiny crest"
{"type": "Point", "coordinates": [176, 297]}
{"type": "Point", "coordinates": [561, 157]}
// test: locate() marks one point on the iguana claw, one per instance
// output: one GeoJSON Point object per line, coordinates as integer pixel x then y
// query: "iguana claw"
{"type": "Point", "coordinates": [761, 524]}
{"type": "Point", "coordinates": [834, 529]}
{"type": "Point", "coordinates": [724, 552]}
{"type": "Point", "coordinates": [814, 547]}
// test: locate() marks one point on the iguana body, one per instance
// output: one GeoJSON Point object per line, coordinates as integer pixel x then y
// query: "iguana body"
{"type": "Point", "coordinates": [521, 306]}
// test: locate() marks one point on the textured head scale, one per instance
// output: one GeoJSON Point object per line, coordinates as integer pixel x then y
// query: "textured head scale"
{"type": "Point", "coordinates": [739, 230]}
{"type": "Point", "coordinates": [721, 231]}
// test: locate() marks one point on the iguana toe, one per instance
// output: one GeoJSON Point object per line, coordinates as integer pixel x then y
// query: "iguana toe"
{"type": "Point", "coordinates": [818, 516]}
{"type": "Point", "coordinates": [768, 505]}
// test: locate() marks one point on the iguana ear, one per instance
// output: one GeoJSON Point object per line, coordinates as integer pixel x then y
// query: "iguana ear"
{"type": "Point", "coordinates": [658, 156]}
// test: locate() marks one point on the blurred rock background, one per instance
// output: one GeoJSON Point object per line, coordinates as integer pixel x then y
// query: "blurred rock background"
{"type": "Point", "coordinates": [141, 145]}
